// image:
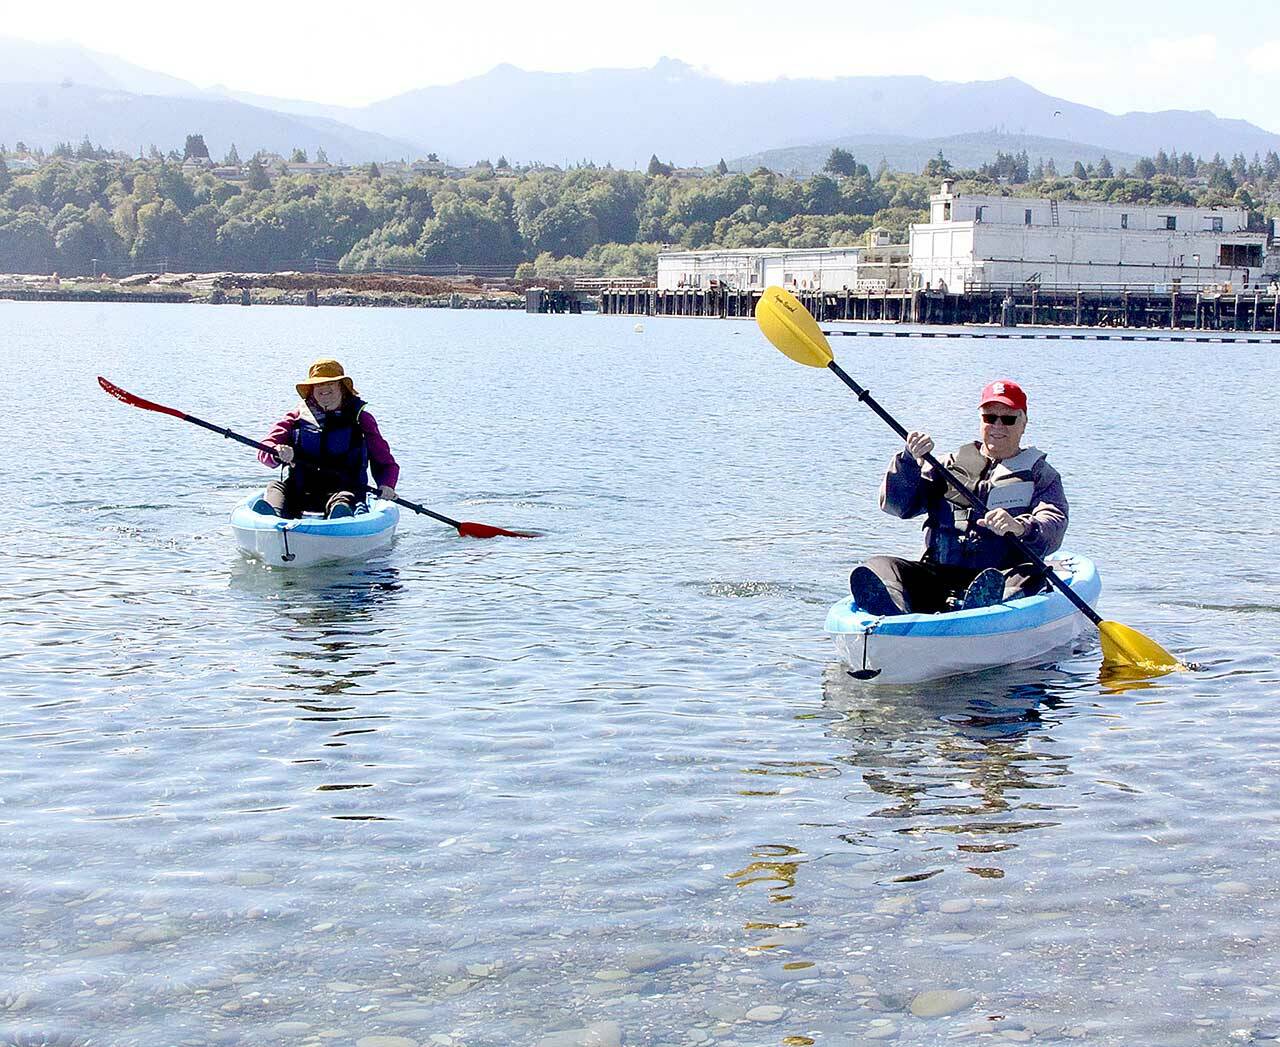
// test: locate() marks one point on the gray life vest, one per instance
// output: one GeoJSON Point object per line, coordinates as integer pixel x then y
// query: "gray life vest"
{"type": "Point", "coordinates": [1008, 485]}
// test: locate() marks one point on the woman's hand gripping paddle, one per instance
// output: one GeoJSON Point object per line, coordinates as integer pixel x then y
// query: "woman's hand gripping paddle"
{"type": "Point", "coordinates": [794, 331]}
{"type": "Point", "coordinates": [466, 528]}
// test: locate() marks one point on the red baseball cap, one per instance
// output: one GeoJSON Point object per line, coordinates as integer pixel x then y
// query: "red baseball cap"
{"type": "Point", "coordinates": [1003, 391]}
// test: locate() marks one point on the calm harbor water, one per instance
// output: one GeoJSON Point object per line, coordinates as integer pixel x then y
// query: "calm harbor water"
{"type": "Point", "coordinates": [610, 786]}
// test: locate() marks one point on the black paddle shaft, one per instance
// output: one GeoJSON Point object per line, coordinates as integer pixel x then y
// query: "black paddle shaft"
{"type": "Point", "coordinates": [969, 496]}
{"type": "Point", "coordinates": [230, 435]}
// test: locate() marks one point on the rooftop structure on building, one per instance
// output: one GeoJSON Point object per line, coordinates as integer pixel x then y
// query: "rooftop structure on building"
{"type": "Point", "coordinates": [977, 242]}
{"type": "Point", "coordinates": [878, 266]}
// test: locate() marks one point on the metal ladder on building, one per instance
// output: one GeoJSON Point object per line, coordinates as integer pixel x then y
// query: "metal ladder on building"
{"type": "Point", "coordinates": [1053, 212]}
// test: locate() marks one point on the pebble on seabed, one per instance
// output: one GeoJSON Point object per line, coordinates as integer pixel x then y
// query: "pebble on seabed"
{"type": "Point", "coordinates": [594, 1034]}
{"type": "Point", "coordinates": [938, 1003]}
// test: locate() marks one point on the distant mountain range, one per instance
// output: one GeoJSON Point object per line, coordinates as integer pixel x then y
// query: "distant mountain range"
{"type": "Point", "coordinates": [911, 154]}
{"type": "Point", "coordinates": [616, 116]}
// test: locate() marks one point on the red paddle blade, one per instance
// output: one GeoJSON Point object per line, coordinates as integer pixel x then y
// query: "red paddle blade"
{"type": "Point", "coordinates": [124, 396]}
{"type": "Point", "coordinates": [468, 529]}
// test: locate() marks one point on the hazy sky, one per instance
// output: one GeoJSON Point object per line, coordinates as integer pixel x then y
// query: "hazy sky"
{"type": "Point", "coordinates": [1182, 54]}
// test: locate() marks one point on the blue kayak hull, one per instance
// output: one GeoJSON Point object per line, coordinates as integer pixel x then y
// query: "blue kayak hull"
{"type": "Point", "coordinates": [313, 540]}
{"type": "Point", "coordinates": [912, 648]}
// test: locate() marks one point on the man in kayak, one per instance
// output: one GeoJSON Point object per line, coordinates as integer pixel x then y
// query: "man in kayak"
{"type": "Point", "coordinates": [333, 429]}
{"type": "Point", "coordinates": [968, 560]}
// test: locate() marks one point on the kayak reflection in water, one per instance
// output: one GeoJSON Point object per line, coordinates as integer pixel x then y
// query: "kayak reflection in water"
{"type": "Point", "coordinates": [333, 429]}
{"type": "Point", "coordinates": [968, 559]}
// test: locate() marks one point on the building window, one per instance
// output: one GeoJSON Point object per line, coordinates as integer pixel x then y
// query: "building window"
{"type": "Point", "coordinates": [1026, 216]}
{"type": "Point", "coordinates": [977, 214]}
{"type": "Point", "coordinates": [946, 211]}
{"type": "Point", "coordinates": [1170, 221]}
{"type": "Point", "coordinates": [1215, 225]}
{"type": "Point", "coordinates": [1239, 255]}
{"type": "Point", "coordinates": [1124, 221]}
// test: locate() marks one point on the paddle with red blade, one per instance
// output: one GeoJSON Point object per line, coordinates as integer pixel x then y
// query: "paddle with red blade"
{"type": "Point", "coordinates": [466, 528]}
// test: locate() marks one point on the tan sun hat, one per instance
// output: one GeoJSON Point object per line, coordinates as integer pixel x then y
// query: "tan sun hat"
{"type": "Point", "coordinates": [322, 371]}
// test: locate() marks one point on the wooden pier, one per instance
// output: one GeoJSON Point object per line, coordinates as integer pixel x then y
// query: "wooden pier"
{"type": "Point", "coordinates": [1250, 310]}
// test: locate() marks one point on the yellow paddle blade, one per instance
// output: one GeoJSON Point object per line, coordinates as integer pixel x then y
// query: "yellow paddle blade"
{"type": "Point", "coordinates": [792, 328]}
{"type": "Point", "coordinates": [1125, 648]}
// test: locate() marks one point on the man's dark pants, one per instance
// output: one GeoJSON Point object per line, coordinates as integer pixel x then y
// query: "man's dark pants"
{"type": "Point", "coordinates": [920, 587]}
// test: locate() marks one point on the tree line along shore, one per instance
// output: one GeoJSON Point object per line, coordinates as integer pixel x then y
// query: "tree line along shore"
{"type": "Point", "coordinates": [87, 212]}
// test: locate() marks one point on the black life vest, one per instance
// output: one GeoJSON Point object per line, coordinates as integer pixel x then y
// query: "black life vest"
{"type": "Point", "coordinates": [334, 441]}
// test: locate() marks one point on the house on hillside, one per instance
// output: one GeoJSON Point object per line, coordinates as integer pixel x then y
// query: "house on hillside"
{"type": "Point", "coordinates": [312, 167]}
{"type": "Point", "coordinates": [978, 241]}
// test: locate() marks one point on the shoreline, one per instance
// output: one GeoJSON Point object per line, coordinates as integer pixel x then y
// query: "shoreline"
{"type": "Point", "coordinates": [284, 288]}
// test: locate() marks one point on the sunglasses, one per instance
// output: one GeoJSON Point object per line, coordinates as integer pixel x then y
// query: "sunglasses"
{"type": "Point", "coordinates": [1007, 419]}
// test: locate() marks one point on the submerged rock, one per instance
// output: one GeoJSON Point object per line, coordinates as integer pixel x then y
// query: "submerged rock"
{"type": "Point", "coordinates": [938, 1003]}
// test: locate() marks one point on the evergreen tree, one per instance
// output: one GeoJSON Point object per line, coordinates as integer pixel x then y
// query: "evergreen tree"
{"type": "Point", "coordinates": [6, 179]}
{"type": "Point", "coordinates": [299, 156]}
{"type": "Point", "coordinates": [374, 171]}
{"type": "Point", "coordinates": [1220, 179]}
{"type": "Point", "coordinates": [503, 164]}
{"type": "Point", "coordinates": [722, 168]}
{"type": "Point", "coordinates": [841, 163]}
{"type": "Point", "coordinates": [1078, 171]}
{"type": "Point", "coordinates": [232, 159]}
{"type": "Point", "coordinates": [938, 167]}
{"type": "Point", "coordinates": [258, 179]}
{"type": "Point", "coordinates": [195, 148]}
{"type": "Point", "coordinates": [321, 156]}
{"type": "Point", "coordinates": [1105, 169]}
{"type": "Point", "coordinates": [1144, 169]}
{"type": "Point", "coordinates": [1271, 165]}
{"type": "Point", "coordinates": [1021, 172]}
{"type": "Point", "coordinates": [657, 167]}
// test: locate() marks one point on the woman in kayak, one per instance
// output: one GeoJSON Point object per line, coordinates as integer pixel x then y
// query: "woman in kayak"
{"type": "Point", "coordinates": [333, 429]}
{"type": "Point", "coordinates": [968, 560]}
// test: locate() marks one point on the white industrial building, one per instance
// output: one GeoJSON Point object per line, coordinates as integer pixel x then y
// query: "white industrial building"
{"type": "Point", "coordinates": [878, 266]}
{"type": "Point", "coordinates": [976, 242]}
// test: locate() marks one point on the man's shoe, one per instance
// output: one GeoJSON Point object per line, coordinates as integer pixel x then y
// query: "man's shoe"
{"type": "Point", "coordinates": [339, 511]}
{"type": "Point", "coordinates": [869, 593]}
{"type": "Point", "coordinates": [986, 590]}
{"type": "Point", "coordinates": [262, 507]}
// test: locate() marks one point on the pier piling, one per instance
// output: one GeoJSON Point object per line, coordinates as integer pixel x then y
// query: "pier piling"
{"type": "Point", "coordinates": [1083, 307]}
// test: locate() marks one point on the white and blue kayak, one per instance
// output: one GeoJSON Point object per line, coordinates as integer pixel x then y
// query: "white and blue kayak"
{"type": "Point", "coordinates": [312, 539]}
{"type": "Point", "coordinates": [912, 648]}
